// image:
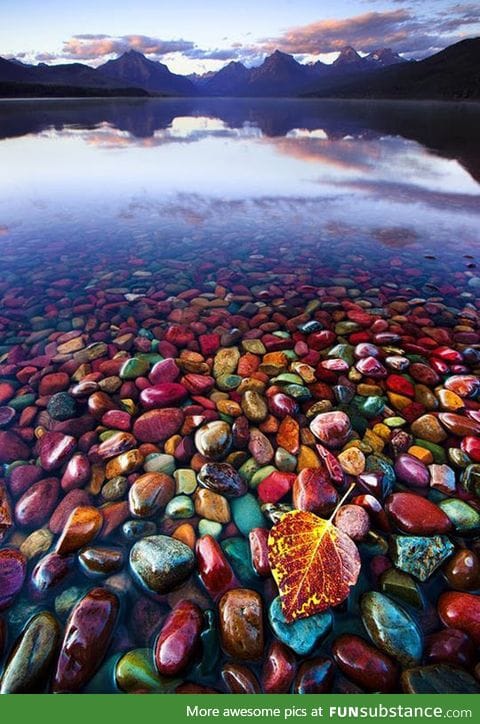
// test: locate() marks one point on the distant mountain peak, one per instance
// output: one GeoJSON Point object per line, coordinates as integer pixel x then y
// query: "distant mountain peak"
{"type": "Point", "coordinates": [384, 56]}
{"type": "Point", "coordinates": [347, 55]}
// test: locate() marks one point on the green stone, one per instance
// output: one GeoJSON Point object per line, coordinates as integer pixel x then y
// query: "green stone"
{"type": "Point", "coordinates": [104, 680]}
{"type": "Point", "coordinates": [342, 351]}
{"type": "Point", "coordinates": [287, 378]}
{"type": "Point", "coordinates": [254, 346]}
{"type": "Point", "coordinates": [285, 461]}
{"type": "Point", "coordinates": [346, 327]}
{"type": "Point", "coordinates": [246, 513]}
{"type": "Point", "coordinates": [133, 368]}
{"type": "Point", "coordinates": [394, 422]}
{"type": "Point", "coordinates": [380, 464]}
{"type": "Point", "coordinates": [237, 552]}
{"type": "Point", "coordinates": [371, 406]}
{"type": "Point", "coordinates": [458, 458]}
{"type": "Point", "coordinates": [391, 628]}
{"type": "Point", "coordinates": [303, 635]}
{"type": "Point", "coordinates": [210, 647]}
{"type": "Point", "coordinates": [420, 555]}
{"type": "Point", "coordinates": [135, 672]}
{"type": "Point", "coordinates": [159, 463]}
{"type": "Point", "coordinates": [438, 453]}
{"type": "Point", "coordinates": [228, 382]}
{"type": "Point", "coordinates": [471, 479]}
{"type": "Point", "coordinates": [298, 392]}
{"type": "Point", "coordinates": [439, 679]}
{"type": "Point", "coordinates": [401, 587]}
{"type": "Point", "coordinates": [260, 475]}
{"type": "Point", "coordinates": [464, 518]}
{"type": "Point", "coordinates": [185, 480]}
{"type": "Point", "coordinates": [248, 469]}
{"type": "Point", "coordinates": [22, 401]}
{"type": "Point", "coordinates": [210, 527]}
{"type": "Point", "coordinates": [181, 506]}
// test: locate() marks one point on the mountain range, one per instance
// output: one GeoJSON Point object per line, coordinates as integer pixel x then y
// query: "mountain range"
{"type": "Point", "coordinates": [452, 73]}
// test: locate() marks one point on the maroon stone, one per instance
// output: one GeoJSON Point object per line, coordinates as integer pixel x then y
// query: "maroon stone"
{"type": "Point", "coordinates": [178, 639]}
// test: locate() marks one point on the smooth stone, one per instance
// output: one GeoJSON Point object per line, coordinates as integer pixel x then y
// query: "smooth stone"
{"type": "Point", "coordinates": [313, 492]}
{"type": "Point", "coordinates": [303, 635]}
{"type": "Point", "coordinates": [411, 471]}
{"type": "Point", "coordinates": [160, 563]}
{"type": "Point", "coordinates": [178, 639]}
{"type": "Point", "coordinates": [60, 515]}
{"type": "Point", "coordinates": [212, 506]}
{"type": "Point", "coordinates": [237, 552]}
{"type": "Point", "coordinates": [352, 461]}
{"type": "Point", "coordinates": [462, 571]}
{"type": "Point", "coordinates": [87, 636]}
{"type": "Point", "coordinates": [83, 525]}
{"type": "Point", "coordinates": [464, 517]}
{"type": "Point", "coordinates": [246, 513]}
{"type": "Point", "coordinates": [37, 542]}
{"type": "Point", "coordinates": [365, 665]}
{"type": "Point", "coordinates": [13, 568]}
{"type": "Point", "coordinates": [258, 541]}
{"type": "Point", "coordinates": [401, 587]}
{"type": "Point", "coordinates": [241, 624]}
{"type": "Point", "coordinates": [331, 428]}
{"type": "Point", "coordinates": [12, 447]}
{"type": "Point", "coordinates": [55, 449]}
{"type": "Point", "coordinates": [214, 440]}
{"type": "Point", "coordinates": [20, 478]}
{"type": "Point", "coordinates": [260, 447]}
{"type": "Point", "coordinates": [30, 662]}
{"type": "Point", "coordinates": [133, 368]}
{"type": "Point", "coordinates": [135, 529]}
{"type": "Point", "coordinates": [391, 628]}
{"type": "Point", "coordinates": [450, 646]}
{"type": "Point", "coordinates": [50, 570]}
{"type": "Point", "coordinates": [254, 406]}
{"type": "Point", "coordinates": [101, 560]}
{"type": "Point", "coordinates": [353, 520]}
{"type": "Point", "coordinates": [116, 444]}
{"type": "Point", "coordinates": [37, 504]}
{"type": "Point", "coordinates": [210, 527]}
{"type": "Point", "coordinates": [314, 677]}
{"type": "Point", "coordinates": [166, 370]}
{"type": "Point", "coordinates": [158, 425]}
{"type": "Point", "coordinates": [115, 488]}
{"type": "Point", "coordinates": [185, 481]}
{"type": "Point", "coordinates": [427, 427]}
{"type": "Point", "coordinates": [279, 669]}
{"type": "Point", "coordinates": [416, 515]}
{"type": "Point", "coordinates": [275, 486]}
{"type": "Point", "coordinates": [459, 425]}
{"type": "Point", "coordinates": [223, 479]}
{"type": "Point", "coordinates": [165, 394]}
{"type": "Point", "coordinates": [461, 611]}
{"type": "Point", "coordinates": [150, 493]}
{"type": "Point", "coordinates": [214, 570]}
{"type": "Point", "coordinates": [420, 555]}
{"type": "Point", "coordinates": [439, 679]}
{"type": "Point", "coordinates": [239, 679]}
{"type": "Point", "coordinates": [160, 463]}
{"type": "Point", "coordinates": [124, 464]}
{"type": "Point", "coordinates": [181, 506]}
{"type": "Point", "coordinates": [135, 674]}
{"type": "Point", "coordinates": [77, 473]}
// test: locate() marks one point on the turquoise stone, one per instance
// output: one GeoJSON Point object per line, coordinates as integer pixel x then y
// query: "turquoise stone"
{"type": "Point", "coordinates": [303, 635]}
{"type": "Point", "coordinates": [464, 518]}
{"type": "Point", "coordinates": [237, 552]}
{"type": "Point", "coordinates": [391, 628]}
{"type": "Point", "coordinates": [420, 555]}
{"type": "Point", "coordinates": [246, 513]}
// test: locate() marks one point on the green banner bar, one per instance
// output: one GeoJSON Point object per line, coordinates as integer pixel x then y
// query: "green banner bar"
{"type": "Point", "coordinates": [208, 709]}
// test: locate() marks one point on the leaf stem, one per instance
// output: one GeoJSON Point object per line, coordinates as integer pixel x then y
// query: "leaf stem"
{"type": "Point", "coordinates": [341, 501]}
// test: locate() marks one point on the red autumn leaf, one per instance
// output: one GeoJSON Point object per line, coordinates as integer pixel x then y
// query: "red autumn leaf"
{"type": "Point", "coordinates": [313, 563]}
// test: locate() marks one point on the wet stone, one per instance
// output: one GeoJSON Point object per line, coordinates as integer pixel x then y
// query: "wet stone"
{"type": "Point", "coordinates": [420, 555]}
{"type": "Point", "coordinates": [303, 635]}
{"type": "Point", "coordinates": [391, 628]}
{"type": "Point", "coordinates": [160, 563]}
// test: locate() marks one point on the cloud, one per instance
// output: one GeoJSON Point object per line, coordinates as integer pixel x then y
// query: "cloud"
{"type": "Point", "coordinates": [95, 47]}
{"type": "Point", "coordinates": [401, 29]}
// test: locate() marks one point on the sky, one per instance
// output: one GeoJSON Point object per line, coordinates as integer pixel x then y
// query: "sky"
{"type": "Point", "coordinates": [201, 35]}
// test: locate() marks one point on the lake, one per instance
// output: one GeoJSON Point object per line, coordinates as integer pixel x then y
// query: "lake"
{"type": "Point", "coordinates": [214, 312]}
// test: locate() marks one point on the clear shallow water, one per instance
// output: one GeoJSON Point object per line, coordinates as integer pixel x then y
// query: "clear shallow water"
{"type": "Point", "coordinates": [131, 216]}
{"type": "Point", "coordinates": [394, 174]}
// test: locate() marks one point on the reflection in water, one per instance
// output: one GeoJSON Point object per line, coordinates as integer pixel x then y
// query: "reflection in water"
{"type": "Point", "coordinates": [395, 174]}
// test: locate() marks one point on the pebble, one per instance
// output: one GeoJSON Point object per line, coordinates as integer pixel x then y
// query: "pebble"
{"type": "Point", "coordinates": [391, 628]}
{"type": "Point", "coordinates": [413, 514]}
{"type": "Point", "coordinates": [461, 611]}
{"type": "Point", "coordinates": [178, 639]}
{"type": "Point", "coordinates": [160, 563]}
{"type": "Point", "coordinates": [304, 634]}
{"type": "Point", "coordinates": [365, 665]}
{"type": "Point", "coordinates": [241, 624]}
{"type": "Point", "coordinates": [150, 493]}
{"type": "Point", "coordinates": [222, 478]}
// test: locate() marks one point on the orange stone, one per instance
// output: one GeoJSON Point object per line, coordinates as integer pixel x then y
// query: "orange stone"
{"type": "Point", "coordinates": [288, 435]}
{"type": "Point", "coordinates": [82, 526]}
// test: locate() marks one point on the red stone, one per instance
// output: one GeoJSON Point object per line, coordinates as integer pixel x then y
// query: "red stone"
{"type": "Point", "coordinates": [165, 394]}
{"type": "Point", "coordinates": [416, 515]}
{"type": "Point", "coordinates": [12, 447]}
{"type": "Point", "coordinates": [461, 611]}
{"type": "Point", "coordinates": [55, 449]}
{"type": "Point", "coordinates": [258, 539]}
{"type": "Point", "coordinates": [279, 669]}
{"type": "Point", "coordinates": [214, 570]}
{"type": "Point", "coordinates": [158, 425]}
{"type": "Point", "coordinates": [313, 492]}
{"type": "Point", "coordinates": [364, 664]}
{"type": "Point", "coordinates": [275, 486]}
{"type": "Point", "coordinates": [449, 646]}
{"type": "Point", "coordinates": [37, 503]}
{"type": "Point", "coordinates": [178, 639]}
